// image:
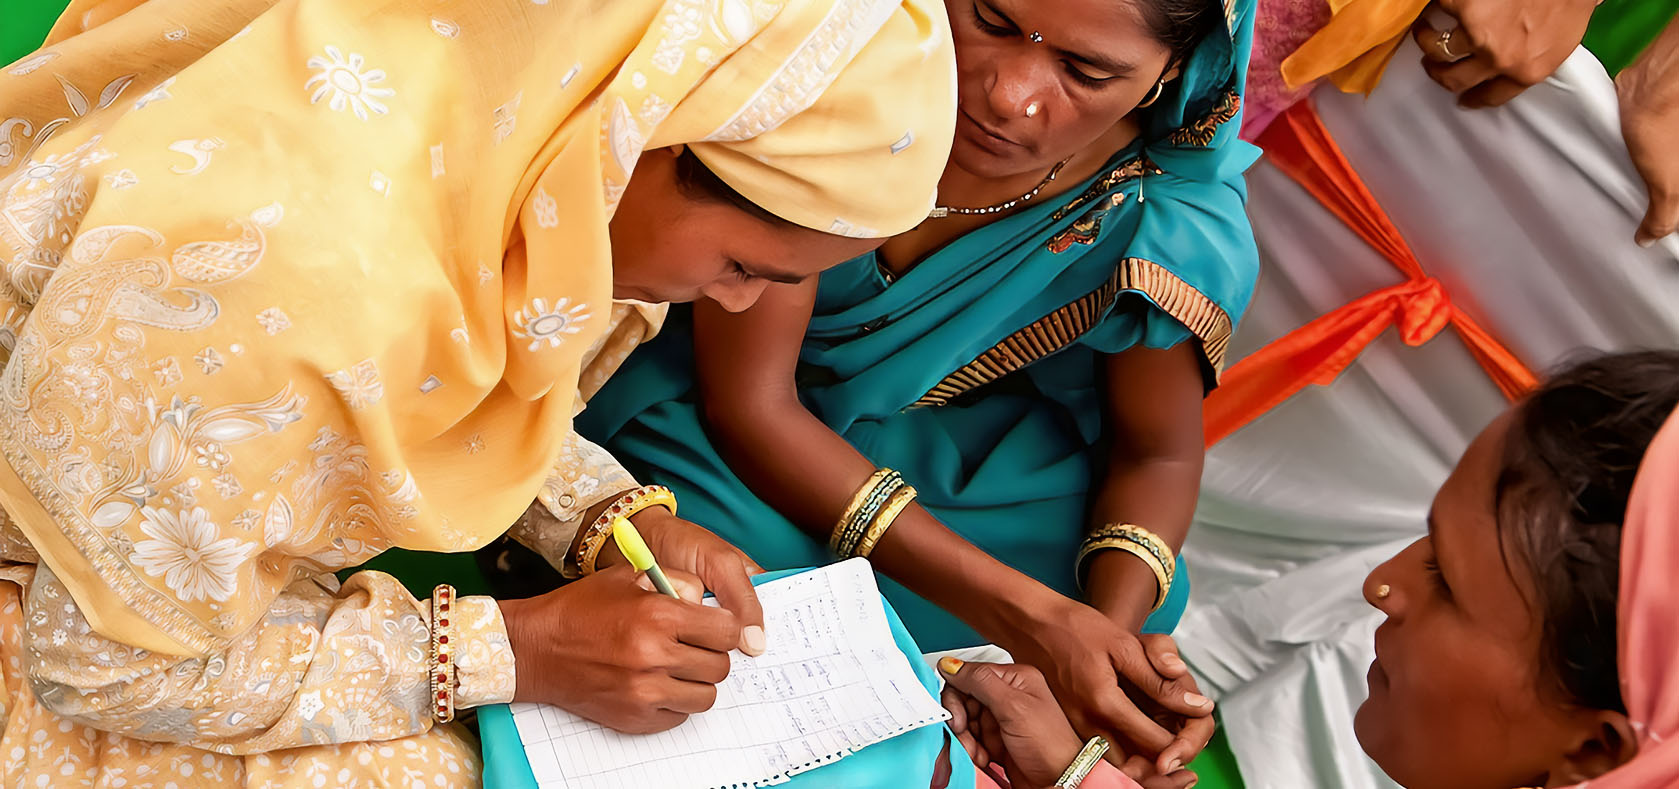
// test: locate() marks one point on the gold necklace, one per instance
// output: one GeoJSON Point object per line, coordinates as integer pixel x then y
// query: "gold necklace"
{"type": "Point", "coordinates": [940, 212]}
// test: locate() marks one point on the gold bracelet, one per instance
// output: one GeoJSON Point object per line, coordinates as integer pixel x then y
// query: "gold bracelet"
{"type": "Point", "coordinates": [861, 495]}
{"type": "Point", "coordinates": [1138, 542]}
{"type": "Point", "coordinates": [442, 654]}
{"type": "Point", "coordinates": [869, 499]}
{"type": "Point", "coordinates": [883, 521]}
{"type": "Point", "coordinates": [1136, 534]}
{"type": "Point", "coordinates": [1089, 756]}
{"type": "Point", "coordinates": [594, 538]}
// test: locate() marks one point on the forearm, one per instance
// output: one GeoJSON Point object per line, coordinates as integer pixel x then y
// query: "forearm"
{"type": "Point", "coordinates": [1157, 494]}
{"type": "Point", "coordinates": [809, 474]}
{"type": "Point", "coordinates": [323, 665]}
{"type": "Point", "coordinates": [1654, 77]}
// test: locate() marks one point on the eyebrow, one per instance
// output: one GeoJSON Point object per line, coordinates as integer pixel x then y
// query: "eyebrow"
{"type": "Point", "coordinates": [1115, 68]}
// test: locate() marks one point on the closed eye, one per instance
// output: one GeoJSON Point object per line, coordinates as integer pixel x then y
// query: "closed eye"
{"type": "Point", "coordinates": [990, 22]}
{"type": "Point", "coordinates": [1435, 576]}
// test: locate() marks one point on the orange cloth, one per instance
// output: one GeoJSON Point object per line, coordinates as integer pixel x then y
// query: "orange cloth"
{"type": "Point", "coordinates": [1355, 47]}
{"type": "Point", "coordinates": [1299, 145]}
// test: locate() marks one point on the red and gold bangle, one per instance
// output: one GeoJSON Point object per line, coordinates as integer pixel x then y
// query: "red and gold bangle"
{"type": "Point", "coordinates": [442, 654]}
{"type": "Point", "coordinates": [588, 548]}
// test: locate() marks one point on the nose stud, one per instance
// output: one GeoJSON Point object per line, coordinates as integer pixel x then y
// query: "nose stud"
{"type": "Point", "coordinates": [1037, 38]}
{"type": "Point", "coordinates": [1383, 591]}
{"type": "Point", "coordinates": [1032, 110]}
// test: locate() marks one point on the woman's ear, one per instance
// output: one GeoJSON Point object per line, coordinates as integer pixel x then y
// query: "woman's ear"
{"type": "Point", "coordinates": [1606, 741]}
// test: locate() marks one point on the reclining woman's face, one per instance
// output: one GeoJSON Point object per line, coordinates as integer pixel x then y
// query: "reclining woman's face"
{"type": "Point", "coordinates": [1457, 700]}
{"type": "Point", "coordinates": [669, 245]}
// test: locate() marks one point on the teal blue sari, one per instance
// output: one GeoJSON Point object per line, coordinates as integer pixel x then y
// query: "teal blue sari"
{"type": "Point", "coordinates": [975, 374]}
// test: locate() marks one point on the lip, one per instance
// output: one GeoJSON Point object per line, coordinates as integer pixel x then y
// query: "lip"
{"type": "Point", "coordinates": [988, 138]}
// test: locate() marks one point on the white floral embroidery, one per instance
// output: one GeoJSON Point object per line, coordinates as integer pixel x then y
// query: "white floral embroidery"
{"type": "Point", "coordinates": [228, 486]}
{"type": "Point", "coordinates": [459, 335]}
{"type": "Point", "coordinates": [485, 274]}
{"type": "Point", "coordinates": [177, 34]}
{"type": "Point", "coordinates": [158, 93]}
{"type": "Point", "coordinates": [380, 183]}
{"type": "Point", "coordinates": [359, 385]}
{"type": "Point", "coordinates": [547, 209]}
{"type": "Point", "coordinates": [431, 384]}
{"type": "Point", "coordinates": [273, 321]}
{"type": "Point", "coordinates": [211, 455]}
{"type": "Point", "coordinates": [29, 64]}
{"type": "Point", "coordinates": [247, 519]}
{"type": "Point", "coordinates": [475, 444]}
{"type": "Point", "coordinates": [571, 74]}
{"type": "Point", "coordinates": [309, 704]}
{"type": "Point", "coordinates": [540, 324]}
{"type": "Point", "coordinates": [348, 86]}
{"type": "Point", "coordinates": [199, 150]}
{"type": "Point", "coordinates": [506, 117]}
{"type": "Point", "coordinates": [903, 143]}
{"type": "Point", "coordinates": [209, 361]}
{"type": "Point", "coordinates": [168, 372]}
{"type": "Point", "coordinates": [122, 179]}
{"type": "Point", "coordinates": [444, 27]}
{"type": "Point", "coordinates": [437, 170]}
{"type": "Point", "coordinates": [183, 549]}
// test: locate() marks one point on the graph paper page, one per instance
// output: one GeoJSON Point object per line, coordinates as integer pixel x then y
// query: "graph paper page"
{"type": "Point", "coordinates": [832, 681]}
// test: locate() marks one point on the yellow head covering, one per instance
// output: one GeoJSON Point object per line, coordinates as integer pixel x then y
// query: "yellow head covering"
{"type": "Point", "coordinates": [290, 282]}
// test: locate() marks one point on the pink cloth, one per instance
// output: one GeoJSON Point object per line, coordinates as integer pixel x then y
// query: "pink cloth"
{"type": "Point", "coordinates": [1105, 776]}
{"type": "Point", "coordinates": [1649, 619]}
{"type": "Point", "coordinates": [1279, 28]}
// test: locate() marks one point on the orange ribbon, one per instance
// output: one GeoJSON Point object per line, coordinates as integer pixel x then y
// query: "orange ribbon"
{"type": "Point", "coordinates": [1299, 145]}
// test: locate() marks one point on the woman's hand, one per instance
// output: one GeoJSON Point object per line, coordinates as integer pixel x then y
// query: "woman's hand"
{"type": "Point", "coordinates": [611, 650]}
{"type": "Point", "coordinates": [1501, 47]}
{"type": "Point", "coordinates": [721, 567]}
{"type": "Point", "coordinates": [1005, 714]}
{"type": "Point", "coordinates": [1649, 98]}
{"type": "Point", "coordinates": [1134, 690]}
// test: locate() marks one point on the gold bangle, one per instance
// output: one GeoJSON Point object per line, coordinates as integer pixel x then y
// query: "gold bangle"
{"type": "Point", "coordinates": [588, 549]}
{"type": "Point", "coordinates": [442, 679]}
{"type": "Point", "coordinates": [884, 520]}
{"type": "Point", "coordinates": [867, 500]}
{"type": "Point", "coordinates": [1117, 543]}
{"type": "Point", "coordinates": [1089, 756]}
{"type": "Point", "coordinates": [861, 495]}
{"type": "Point", "coordinates": [1138, 535]}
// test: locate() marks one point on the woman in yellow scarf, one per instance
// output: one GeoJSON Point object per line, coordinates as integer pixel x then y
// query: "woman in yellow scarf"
{"type": "Point", "coordinates": [291, 283]}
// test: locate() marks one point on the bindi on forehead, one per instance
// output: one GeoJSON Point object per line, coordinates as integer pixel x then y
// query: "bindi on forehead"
{"type": "Point", "coordinates": [1101, 32]}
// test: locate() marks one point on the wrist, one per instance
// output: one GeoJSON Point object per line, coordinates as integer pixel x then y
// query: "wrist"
{"type": "Point", "coordinates": [650, 524]}
{"type": "Point", "coordinates": [1013, 612]}
{"type": "Point", "coordinates": [1122, 587]}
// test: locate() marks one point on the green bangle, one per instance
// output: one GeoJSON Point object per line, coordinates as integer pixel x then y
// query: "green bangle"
{"type": "Point", "coordinates": [1082, 764]}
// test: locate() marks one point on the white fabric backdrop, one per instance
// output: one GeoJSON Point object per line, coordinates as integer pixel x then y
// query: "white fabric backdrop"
{"type": "Point", "coordinates": [1527, 214]}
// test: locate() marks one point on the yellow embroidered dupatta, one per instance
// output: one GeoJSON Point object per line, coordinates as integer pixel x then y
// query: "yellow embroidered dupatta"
{"type": "Point", "coordinates": [288, 283]}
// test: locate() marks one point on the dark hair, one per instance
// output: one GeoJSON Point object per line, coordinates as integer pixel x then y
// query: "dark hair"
{"type": "Point", "coordinates": [700, 183]}
{"type": "Point", "coordinates": [1570, 459]}
{"type": "Point", "coordinates": [1181, 24]}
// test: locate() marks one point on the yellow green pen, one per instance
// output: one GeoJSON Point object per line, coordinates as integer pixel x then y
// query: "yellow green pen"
{"type": "Point", "coordinates": [641, 558]}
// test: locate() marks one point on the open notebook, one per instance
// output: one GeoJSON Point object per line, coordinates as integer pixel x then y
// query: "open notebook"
{"type": "Point", "coordinates": [832, 682]}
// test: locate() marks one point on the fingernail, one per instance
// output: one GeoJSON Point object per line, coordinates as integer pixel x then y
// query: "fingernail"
{"type": "Point", "coordinates": [1192, 783]}
{"type": "Point", "coordinates": [950, 665]}
{"type": "Point", "coordinates": [1197, 700]}
{"type": "Point", "coordinates": [1172, 662]}
{"type": "Point", "coordinates": [1646, 241]}
{"type": "Point", "coordinates": [755, 641]}
{"type": "Point", "coordinates": [1174, 765]}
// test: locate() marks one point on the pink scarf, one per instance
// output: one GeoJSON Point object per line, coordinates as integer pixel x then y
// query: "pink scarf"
{"type": "Point", "coordinates": [1649, 619]}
